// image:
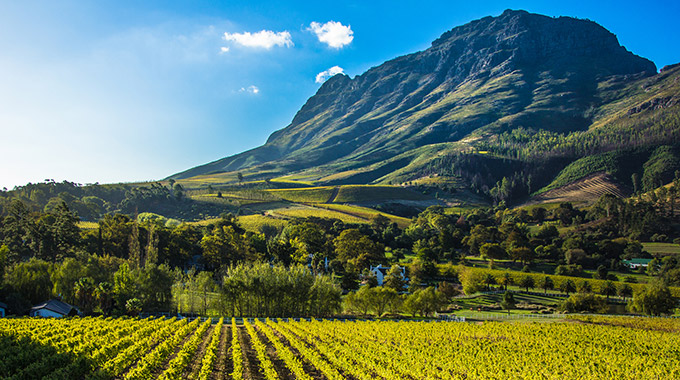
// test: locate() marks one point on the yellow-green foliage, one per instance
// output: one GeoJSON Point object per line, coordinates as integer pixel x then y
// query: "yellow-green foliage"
{"type": "Point", "coordinates": [492, 350]}
{"type": "Point", "coordinates": [363, 193]}
{"type": "Point", "coordinates": [659, 324]}
{"type": "Point", "coordinates": [205, 222]}
{"type": "Point", "coordinates": [597, 348]}
{"type": "Point", "coordinates": [255, 222]}
{"type": "Point", "coordinates": [366, 213]}
{"type": "Point", "coordinates": [557, 280]}
{"type": "Point", "coordinates": [88, 225]}
{"type": "Point", "coordinates": [296, 180]}
{"type": "Point", "coordinates": [304, 212]}
{"type": "Point", "coordinates": [304, 195]}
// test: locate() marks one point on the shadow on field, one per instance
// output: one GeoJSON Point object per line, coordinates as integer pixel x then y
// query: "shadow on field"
{"type": "Point", "coordinates": [23, 358]}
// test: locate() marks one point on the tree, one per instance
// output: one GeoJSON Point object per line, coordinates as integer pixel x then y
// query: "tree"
{"type": "Point", "coordinates": [379, 222]}
{"type": "Point", "coordinates": [538, 214]}
{"type": "Point", "coordinates": [585, 287]}
{"type": "Point", "coordinates": [179, 191]}
{"type": "Point", "coordinates": [395, 279]}
{"type": "Point", "coordinates": [31, 280]}
{"type": "Point", "coordinates": [4, 258]}
{"type": "Point", "coordinates": [585, 302]}
{"type": "Point", "coordinates": [380, 298]}
{"type": "Point", "coordinates": [523, 254]}
{"type": "Point", "coordinates": [424, 301]}
{"type": "Point", "coordinates": [546, 283]}
{"type": "Point", "coordinates": [625, 291]}
{"type": "Point", "coordinates": [205, 285]}
{"type": "Point", "coordinates": [124, 286]}
{"type": "Point", "coordinates": [472, 280]}
{"type": "Point", "coordinates": [135, 248]}
{"type": "Point", "coordinates": [133, 306]}
{"type": "Point", "coordinates": [508, 301]}
{"type": "Point", "coordinates": [489, 280]}
{"type": "Point", "coordinates": [104, 296]}
{"type": "Point", "coordinates": [448, 290]}
{"type": "Point", "coordinates": [85, 294]}
{"type": "Point", "coordinates": [527, 282]}
{"type": "Point", "coordinates": [492, 251]}
{"type": "Point", "coordinates": [357, 249]}
{"type": "Point", "coordinates": [349, 279]}
{"type": "Point", "coordinates": [567, 286]}
{"type": "Point", "coordinates": [152, 245]}
{"type": "Point", "coordinates": [224, 246]}
{"type": "Point", "coordinates": [608, 289]}
{"type": "Point", "coordinates": [155, 287]}
{"type": "Point", "coordinates": [654, 299]}
{"type": "Point", "coordinates": [601, 272]}
{"type": "Point", "coordinates": [360, 300]}
{"type": "Point", "coordinates": [505, 280]}
{"type": "Point", "coordinates": [240, 177]}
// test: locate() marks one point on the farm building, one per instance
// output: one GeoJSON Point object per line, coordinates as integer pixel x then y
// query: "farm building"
{"type": "Point", "coordinates": [636, 263]}
{"type": "Point", "coordinates": [3, 309]}
{"type": "Point", "coordinates": [53, 309]}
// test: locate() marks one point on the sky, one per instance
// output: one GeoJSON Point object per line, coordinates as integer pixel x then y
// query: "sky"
{"type": "Point", "coordinates": [125, 91]}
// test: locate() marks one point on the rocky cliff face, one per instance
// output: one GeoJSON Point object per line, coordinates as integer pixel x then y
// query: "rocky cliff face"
{"type": "Point", "coordinates": [517, 69]}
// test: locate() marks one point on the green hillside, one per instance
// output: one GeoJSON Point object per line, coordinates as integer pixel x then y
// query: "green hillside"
{"type": "Point", "coordinates": [502, 107]}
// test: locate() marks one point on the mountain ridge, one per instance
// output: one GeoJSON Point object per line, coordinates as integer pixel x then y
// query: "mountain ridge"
{"type": "Point", "coordinates": [476, 81]}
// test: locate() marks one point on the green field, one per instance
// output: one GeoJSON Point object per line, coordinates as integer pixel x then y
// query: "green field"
{"type": "Point", "coordinates": [255, 222]}
{"type": "Point", "coordinates": [304, 195]}
{"type": "Point", "coordinates": [366, 213]}
{"type": "Point", "coordinates": [306, 211]}
{"type": "Point", "coordinates": [365, 193]}
{"type": "Point", "coordinates": [662, 249]}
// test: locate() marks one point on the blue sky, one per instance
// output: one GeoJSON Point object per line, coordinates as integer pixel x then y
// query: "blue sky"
{"type": "Point", "coordinates": [120, 91]}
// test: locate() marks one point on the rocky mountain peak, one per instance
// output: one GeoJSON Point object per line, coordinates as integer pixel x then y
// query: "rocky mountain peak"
{"type": "Point", "coordinates": [515, 70]}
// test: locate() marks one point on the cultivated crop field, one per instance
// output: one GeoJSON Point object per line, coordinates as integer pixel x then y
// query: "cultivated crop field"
{"type": "Point", "coordinates": [98, 348]}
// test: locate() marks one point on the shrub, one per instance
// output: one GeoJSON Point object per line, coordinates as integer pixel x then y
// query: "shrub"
{"type": "Point", "coordinates": [569, 270]}
{"type": "Point", "coordinates": [584, 302]}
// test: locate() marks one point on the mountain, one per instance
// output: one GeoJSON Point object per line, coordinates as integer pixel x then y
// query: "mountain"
{"type": "Point", "coordinates": [481, 104]}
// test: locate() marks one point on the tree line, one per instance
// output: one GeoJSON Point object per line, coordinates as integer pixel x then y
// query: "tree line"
{"type": "Point", "coordinates": [44, 254]}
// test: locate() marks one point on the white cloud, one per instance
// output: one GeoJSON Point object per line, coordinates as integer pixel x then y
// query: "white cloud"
{"type": "Point", "coordinates": [224, 49]}
{"type": "Point", "coordinates": [250, 89]}
{"type": "Point", "coordinates": [262, 39]}
{"type": "Point", "coordinates": [332, 33]}
{"type": "Point", "coordinates": [324, 75]}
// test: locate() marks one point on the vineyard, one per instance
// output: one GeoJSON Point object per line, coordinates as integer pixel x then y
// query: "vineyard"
{"type": "Point", "coordinates": [98, 348]}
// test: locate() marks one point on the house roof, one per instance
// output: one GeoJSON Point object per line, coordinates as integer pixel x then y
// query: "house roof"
{"type": "Point", "coordinates": [55, 306]}
{"type": "Point", "coordinates": [637, 261]}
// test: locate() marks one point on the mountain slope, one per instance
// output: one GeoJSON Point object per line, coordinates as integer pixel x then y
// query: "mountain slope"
{"type": "Point", "coordinates": [563, 77]}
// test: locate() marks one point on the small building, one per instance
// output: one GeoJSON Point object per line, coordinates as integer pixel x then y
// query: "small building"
{"type": "Point", "coordinates": [3, 310]}
{"type": "Point", "coordinates": [636, 263]}
{"type": "Point", "coordinates": [381, 272]}
{"type": "Point", "coordinates": [53, 309]}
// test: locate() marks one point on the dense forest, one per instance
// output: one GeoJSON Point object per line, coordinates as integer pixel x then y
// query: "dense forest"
{"type": "Point", "coordinates": [126, 264]}
{"type": "Point", "coordinates": [93, 201]}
